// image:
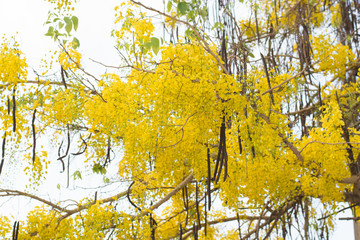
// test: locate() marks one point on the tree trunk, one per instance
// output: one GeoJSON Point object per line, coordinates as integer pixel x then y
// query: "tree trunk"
{"type": "Point", "coordinates": [356, 226]}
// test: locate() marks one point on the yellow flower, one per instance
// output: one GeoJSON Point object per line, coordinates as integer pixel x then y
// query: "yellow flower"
{"type": "Point", "coordinates": [69, 58]}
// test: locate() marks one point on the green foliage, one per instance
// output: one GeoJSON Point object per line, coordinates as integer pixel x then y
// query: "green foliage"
{"type": "Point", "coordinates": [97, 168]}
{"type": "Point", "coordinates": [77, 174]}
{"type": "Point", "coordinates": [182, 8]}
{"type": "Point", "coordinates": [56, 28]}
{"type": "Point", "coordinates": [155, 44]}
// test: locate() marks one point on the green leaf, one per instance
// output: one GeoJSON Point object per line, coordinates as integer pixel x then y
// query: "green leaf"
{"type": "Point", "coordinates": [56, 34]}
{"type": "Point", "coordinates": [58, 186]}
{"type": "Point", "coordinates": [77, 175]}
{"type": "Point", "coordinates": [169, 6]}
{"type": "Point", "coordinates": [203, 12]}
{"type": "Point", "coordinates": [97, 168]}
{"type": "Point", "coordinates": [155, 44]}
{"type": "Point", "coordinates": [127, 46]}
{"type": "Point", "coordinates": [147, 45]}
{"type": "Point", "coordinates": [191, 15]}
{"type": "Point", "coordinates": [189, 33]}
{"type": "Point", "coordinates": [76, 43]}
{"type": "Point", "coordinates": [75, 21]}
{"type": "Point", "coordinates": [68, 27]}
{"type": "Point", "coordinates": [106, 180]}
{"type": "Point", "coordinates": [50, 31]}
{"type": "Point", "coordinates": [217, 25]}
{"type": "Point", "coordinates": [182, 7]}
{"type": "Point", "coordinates": [67, 20]}
{"type": "Point", "coordinates": [61, 24]}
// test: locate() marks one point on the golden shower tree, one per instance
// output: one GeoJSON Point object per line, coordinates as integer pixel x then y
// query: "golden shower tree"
{"type": "Point", "coordinates": [243, 114]}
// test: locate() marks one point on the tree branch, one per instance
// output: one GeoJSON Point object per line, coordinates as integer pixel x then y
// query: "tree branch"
{"type": "Point", "coordinates": [285, 140]}
{"type": "Point", "coordinates": [8, 192]}
{"type": "Point", "coordinates": [167, 197]}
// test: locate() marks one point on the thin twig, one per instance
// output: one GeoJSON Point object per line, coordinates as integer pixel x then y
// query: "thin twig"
{"type": "Point", "coordinates": [182, 130]}
{"type": "Point", "coordinates": [339, 211]}
{"type": "Point", "coordinates": [327, 144]}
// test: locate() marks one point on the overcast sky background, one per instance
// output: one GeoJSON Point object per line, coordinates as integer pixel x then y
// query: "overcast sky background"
{"type": "Point", "coordinates": [25, 20]}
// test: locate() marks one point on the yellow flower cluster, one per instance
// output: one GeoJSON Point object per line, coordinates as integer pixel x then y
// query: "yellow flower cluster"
{"type": "Point", "coordinates": [336, 18]}
{"type": "Point", "coordinates": [42, 223]}
{"type": "Point", "coordinates": [5, 226]}
{"type": "Point", "coordinates": [13, 66]}
{"type": "Point", "coordinates": [66, 107]}
{"type": "Point", "coordinates": [331, 58]}
{"type": "Point", "coordinates": [176, 119]}
{"type": "Point", "coordinates": [250, 29]}
{"type": "Point", "coordinates": [169, 21]}
{"type": "Point", "coordinates": [323, 160]}
{"type": "Point", "coordinates": [70, 58]}
{"type": "Point", "coordinates": [133, 23]}
{"type": "Point", "coordinates": [63, 4]}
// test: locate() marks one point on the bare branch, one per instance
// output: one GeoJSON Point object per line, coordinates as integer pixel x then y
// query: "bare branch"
{"type": "Point", "coordinates": [167, 197]}
{"type": "Point", "coordinates": [8, 192]}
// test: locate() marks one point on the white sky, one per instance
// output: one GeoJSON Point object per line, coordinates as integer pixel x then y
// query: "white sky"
{"type": "Point", "coordinates": [25, 19]}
